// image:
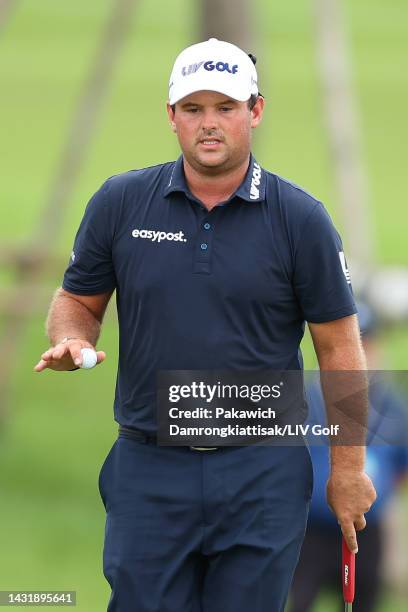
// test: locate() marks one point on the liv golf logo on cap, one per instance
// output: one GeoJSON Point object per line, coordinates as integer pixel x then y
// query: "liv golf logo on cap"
{"type": "Point", "coordinates": [210, 66]}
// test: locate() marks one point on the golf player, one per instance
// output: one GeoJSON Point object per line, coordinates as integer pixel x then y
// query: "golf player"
{"type": "Point", "coordinates": [217, 264]}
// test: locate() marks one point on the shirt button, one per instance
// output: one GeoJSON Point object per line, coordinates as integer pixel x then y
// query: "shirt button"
{"type": "Point", "coordinates": [204, 246]}
{"type": "Point", "coordinates": [207, 226]}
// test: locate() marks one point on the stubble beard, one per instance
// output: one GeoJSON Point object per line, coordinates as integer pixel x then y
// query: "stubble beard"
{"type": "Point", "coordinates": [214, 167]}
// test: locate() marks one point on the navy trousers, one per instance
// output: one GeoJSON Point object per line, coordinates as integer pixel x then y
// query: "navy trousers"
{"type": "Point", "coordinates": [211, 531]}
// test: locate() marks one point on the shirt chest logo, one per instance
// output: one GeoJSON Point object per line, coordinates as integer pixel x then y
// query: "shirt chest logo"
{"type": "Point", "coordinates": [158, 236]}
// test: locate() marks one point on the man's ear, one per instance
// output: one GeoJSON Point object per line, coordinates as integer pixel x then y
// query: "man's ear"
{"type": "Point", "coordinates": [171, 117]}
{"type": "Point", "coordinates": [257, 112]}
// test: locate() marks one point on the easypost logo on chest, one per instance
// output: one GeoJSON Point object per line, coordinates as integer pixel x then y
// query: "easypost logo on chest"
{"type": "Point", "coordinates": [255, 182]}
{"type": "Point", "coordinates": [209, 65]}
{"type": "Point", "coordinates": [158, 236]}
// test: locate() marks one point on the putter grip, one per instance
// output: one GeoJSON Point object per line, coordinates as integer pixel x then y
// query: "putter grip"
{"type": "Point", "coordinates": [348, 572]}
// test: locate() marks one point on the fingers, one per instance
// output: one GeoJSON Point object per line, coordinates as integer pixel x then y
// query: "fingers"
{"type": "Point", "coordinates": [55, 352]}
{"type": "Point", "coordinates": [51, 357]}
{"type": "Point", "coordinates": [373, 494]}
{"type": "Point", "coordinates": [350, 495]}
{"type": "Point", "coordinates": [47, 355]}
{"type": "Point", "coordinates": [65, 355]}
{"type": "Point", "coordinates": [74, 348]}
{"type": "Point", "coordinates": [349, 531]}
{"type": "Point", "coordinates": [50, 363]}
{"type": "Point", "coordinates": [58, 351]}
{"type": "Point", "coordinates": [101, 355]}
{"type": "Point", "coordinates": [360, 523]}
{"type": "Point", "coordinates": [76, 354]}
{"type": "Point", "coordinates": [350, 536]}
{"type": "Point", "coordinates": [41, 365]}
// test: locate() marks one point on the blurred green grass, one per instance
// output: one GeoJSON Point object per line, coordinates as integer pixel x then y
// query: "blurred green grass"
{"type": "Point", "coordinates": [59, 426]}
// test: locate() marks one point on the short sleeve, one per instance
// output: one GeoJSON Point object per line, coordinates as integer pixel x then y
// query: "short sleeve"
{"type": "Point", "coordinates": [322, 281]}
{"type": "Point", "coordinates": [90, 270]}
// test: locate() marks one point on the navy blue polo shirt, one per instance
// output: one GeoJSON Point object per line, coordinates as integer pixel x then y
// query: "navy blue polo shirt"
{"type": "Point", "coordinates": [199, 290]}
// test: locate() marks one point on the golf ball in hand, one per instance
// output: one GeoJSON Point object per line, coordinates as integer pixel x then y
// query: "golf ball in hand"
{"type": "Point", "coordinates": [89, 358]}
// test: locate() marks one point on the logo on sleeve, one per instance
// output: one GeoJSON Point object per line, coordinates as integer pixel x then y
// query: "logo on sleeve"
{"type": "Point", "coordinates": [256, 181]}
{"type": "Point", "coordinates": [73, 256]}
{"type": "Point", "coordinates": [157, 236]}
{"type": "Point", "coordinates": [344, 267]}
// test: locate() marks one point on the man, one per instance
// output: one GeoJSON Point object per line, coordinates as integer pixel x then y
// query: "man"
{"type": "Point", "coordinates": [216, 265]}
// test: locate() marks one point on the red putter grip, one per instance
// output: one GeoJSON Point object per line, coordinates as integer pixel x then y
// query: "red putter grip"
{"type": "Point", "coordinates": [348, 573]}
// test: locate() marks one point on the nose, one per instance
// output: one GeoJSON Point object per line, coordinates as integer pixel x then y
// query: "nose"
{"type": "Point", "coordinates": [209, 119]}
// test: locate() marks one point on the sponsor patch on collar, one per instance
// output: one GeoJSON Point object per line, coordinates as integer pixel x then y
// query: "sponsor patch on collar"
{"type": "Point", "coordinates": [255, 182]}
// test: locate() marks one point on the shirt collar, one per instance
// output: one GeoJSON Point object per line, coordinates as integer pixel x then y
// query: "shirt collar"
{"type": "Point", "coordinates": [252, 188]}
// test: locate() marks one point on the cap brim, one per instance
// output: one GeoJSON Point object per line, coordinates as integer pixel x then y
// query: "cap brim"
{"type": "Point", "coordinates": [211, 83]}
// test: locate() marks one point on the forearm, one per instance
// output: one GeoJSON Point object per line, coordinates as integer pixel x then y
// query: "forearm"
{"type": "Point", "coordinates": [345, 389]}
{"type": "Point", "coordinates": [68, 317]}
{"type": "Point", "coordinates": [343, 375]}
{"type": "Point", "coordinates": [349, 356]}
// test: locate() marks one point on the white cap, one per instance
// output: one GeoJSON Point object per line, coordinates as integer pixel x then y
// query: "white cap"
{"type": "Point", "coordinates": [213, 65]}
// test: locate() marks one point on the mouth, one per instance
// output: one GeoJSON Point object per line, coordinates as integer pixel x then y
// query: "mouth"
{"type": "Point", "coordinates": [210, 143]}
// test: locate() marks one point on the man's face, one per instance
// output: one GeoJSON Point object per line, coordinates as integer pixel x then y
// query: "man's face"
{"type": "Point", "coordinates": [214, 131]}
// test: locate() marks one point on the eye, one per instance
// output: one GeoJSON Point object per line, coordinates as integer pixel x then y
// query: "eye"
{"type": "Point", "coordinates": [225, 109]}
{"type": "Point", "coordinates": [192, 110]}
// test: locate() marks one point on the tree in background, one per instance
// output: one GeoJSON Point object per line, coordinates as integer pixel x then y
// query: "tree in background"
{"type": "Point", "coordinates": [228, 20]}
